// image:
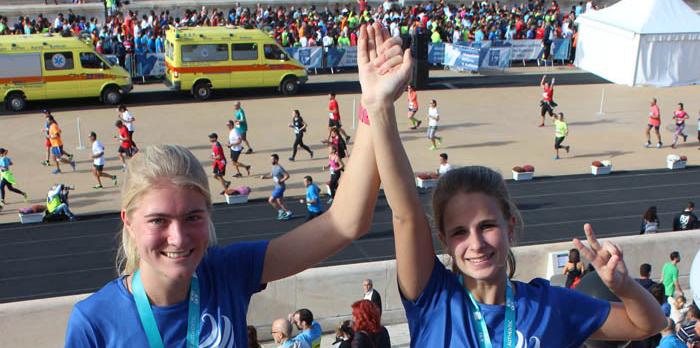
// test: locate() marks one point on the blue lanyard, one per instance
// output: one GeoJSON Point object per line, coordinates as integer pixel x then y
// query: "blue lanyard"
{"type": "Point", "coordinates": [148, 321]}
{"type": "Point", "coordinates": [509, 334]}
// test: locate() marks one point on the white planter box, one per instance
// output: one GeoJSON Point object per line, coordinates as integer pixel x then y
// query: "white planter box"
{"type": "Point", "coordinates": [523, 176]}
{"type": "Point", "coordinates": [236, 199]}
{"type": "Point", "coordinates": [31, 218]}
{"type": "Point", "coordinates": [426, 183]}
{"type": "Point", "coordinates": [676, 164]}
{"type": "Point", "coordinates": [601, 170]}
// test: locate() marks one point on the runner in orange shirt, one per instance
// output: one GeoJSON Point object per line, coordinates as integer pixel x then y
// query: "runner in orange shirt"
{"type": "Point", "coordinates": [57, 145]}
{"type": "Point", "coordinates": [413, 107]}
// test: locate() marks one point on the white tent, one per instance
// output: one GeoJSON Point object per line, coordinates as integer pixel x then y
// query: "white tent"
{"type": "Point", "coordinates": [641, 42]}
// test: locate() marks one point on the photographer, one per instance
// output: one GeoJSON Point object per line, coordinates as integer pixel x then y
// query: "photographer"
{"type": "Point", "coordinates": [57, 203]}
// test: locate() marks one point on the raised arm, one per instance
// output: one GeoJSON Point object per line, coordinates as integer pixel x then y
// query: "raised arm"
{"type": "Point", "coordinates": [542, 81]}
{"type": "Point", "coordinates": [639, 315]}
{"type": "Point", "coordinates": [384, 73]}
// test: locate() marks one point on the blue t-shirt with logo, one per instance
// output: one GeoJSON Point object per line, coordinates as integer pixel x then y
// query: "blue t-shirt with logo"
{"type": "Point", "coordinates": [546, 316]}
{"type": "Point", "coordinates": [228, 277]}
{"type": "Point", "coordinates": [312, 194]}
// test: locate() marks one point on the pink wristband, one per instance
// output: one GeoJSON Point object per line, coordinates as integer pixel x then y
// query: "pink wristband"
{"type": "Point", "coordinates": [363, 116]}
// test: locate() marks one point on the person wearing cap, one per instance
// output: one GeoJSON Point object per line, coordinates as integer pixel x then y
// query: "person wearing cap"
{"type": "Point", "coordinates": [57, 152]}
{"type": "Point", "coordinates": [219, 164]}
{"type": "Point", "coordinates": [234, 144]}
{"type": "Point", "coordinates": [313, 199]}
{"type": "Point", "coordinates": [242, 125]}
{"type": "Point", "coordinates": [6, 177]}
{"type": "Point", "coordinates": [98, 162]}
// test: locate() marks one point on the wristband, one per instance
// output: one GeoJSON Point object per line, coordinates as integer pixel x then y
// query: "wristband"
{"type": "Point", "coordinates": [363, 116]}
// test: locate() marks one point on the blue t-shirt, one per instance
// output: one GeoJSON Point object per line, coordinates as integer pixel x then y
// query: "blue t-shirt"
{"type": "Point", "coordinates": [546, 316]}
{"type": "Point", "coordinates": [228, 277]}
{"type": "Point", "coordinates": [312, 336]}
{"type": "Point", "coordinates": [5, 162]}
{"type": "Point", "coordinates": [312, 193]}
{"type": "Point", "coordinates": [671, 341]}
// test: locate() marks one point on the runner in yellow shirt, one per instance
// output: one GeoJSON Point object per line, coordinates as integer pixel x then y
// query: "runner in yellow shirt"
{"type": "Point", "coordinates": [561, 130]}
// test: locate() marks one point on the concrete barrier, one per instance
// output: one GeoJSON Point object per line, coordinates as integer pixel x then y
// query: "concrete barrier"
{"type": "Point", "coordinates": [329, 291]}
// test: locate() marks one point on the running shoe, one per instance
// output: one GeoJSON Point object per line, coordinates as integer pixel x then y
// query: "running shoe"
{"type": "Point", "coordinates": [249, 151]}
{"type": "Point", "coordinates": [659, 145]}
{"type": "Point", "coordinates": [648, 144]}
{"type": "Point", "coordinates": [311, 154]}
{"type": "Point", "coordinates": [418, 124]}
{"type": "Point", "coordinates": [556, 157]}
{"type": "Point", "coordinates": [568, 147]}
{"type": "Point", "coordinates": [26, 198]}
{"type": "Point", "coordinates": [70, 157]}
{"type": "Point", "coordinates": [541, 125]}
{"type": "Point", "coordinates": [685, 137]}
{"type": "Point", "coordinates": [439, 140]}
{"type": "Point", "coordinates": [227, 184]}
{"type": "Point", "coordinates": [114, 180]}
{"type": "Point", "coordinates": [247, 170]}
{"type": "Point", "coordinates": [46, 163]}
{"type": "Point", "coordinates": [56, 171]}
{"type": "Point", "coordinates": [72, 164]}
{"type": "Point", "coordinates": [287, 216]}
{"type": "Point", "coordinates": [433, 148]}
{"type": "Point", "coordinates": [237, 175]}
{"type": "Point", "coordinates": [280, 215]}
{"type": "Point", "coordinates": [97, 187]}
{"type": "Point", "coordinates": [291, 159]}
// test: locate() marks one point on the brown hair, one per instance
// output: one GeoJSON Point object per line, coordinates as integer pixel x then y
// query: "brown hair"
{"type": "Point", "coordinates": [475, 179]}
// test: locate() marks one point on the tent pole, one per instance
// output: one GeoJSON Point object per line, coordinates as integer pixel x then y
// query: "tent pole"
{"type": "Point", "coordinates": [636, 61]}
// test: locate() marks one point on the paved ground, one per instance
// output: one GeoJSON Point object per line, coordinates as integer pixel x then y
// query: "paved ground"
{"type": "Point", "coordinates": [71, 258]}
{"type": "Point", "coordinates": [483, 122]}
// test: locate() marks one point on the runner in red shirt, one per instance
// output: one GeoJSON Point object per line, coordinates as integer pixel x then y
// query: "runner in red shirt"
{"type": "Point", "coordinates": [413, 107]}
{"type": "Point", "coordinates": [334, 118]}
{"type": "Point", "coordinates": [125, 144]}
{"type": "Point", "coordinates": [219, 161]}
{"type": "Point", "coordinates": [654, 122]}
{"type": "Point", "coordinates": [547, 103]}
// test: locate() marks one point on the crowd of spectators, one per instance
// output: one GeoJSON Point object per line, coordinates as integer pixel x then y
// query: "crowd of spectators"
{"type": "Point", "coordinates": [125, 31]}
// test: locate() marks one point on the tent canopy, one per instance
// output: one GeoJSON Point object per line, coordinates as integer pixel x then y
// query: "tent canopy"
{"type": "Point", "coordinates": [648, 16]}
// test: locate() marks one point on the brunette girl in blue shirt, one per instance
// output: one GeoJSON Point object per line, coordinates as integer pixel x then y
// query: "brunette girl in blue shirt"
{"type": "Point", "coordinates": [477, 304]}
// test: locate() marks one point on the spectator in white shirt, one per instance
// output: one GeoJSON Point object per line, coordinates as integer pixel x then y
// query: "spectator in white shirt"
{"type": "Point", "coordinates": [444, 165]}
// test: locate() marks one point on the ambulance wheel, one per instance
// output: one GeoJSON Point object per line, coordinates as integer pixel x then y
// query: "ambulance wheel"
{"type": "Point", "coordinates": [289, 86]}
{"type": "Point", "coordinates": [15, 102]}
{"type": "Point", "coordinates": [111, 96]}
{"type": "Point", "coordinates": [201, 91]}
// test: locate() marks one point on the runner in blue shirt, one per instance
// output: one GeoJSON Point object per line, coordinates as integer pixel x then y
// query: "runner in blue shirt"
{"type": "Point", "coordinates": [477, 304]}
{"type": "Point", "coordinates": [176, 287]}
{"type": "Point", "coordinates": [313, 201]}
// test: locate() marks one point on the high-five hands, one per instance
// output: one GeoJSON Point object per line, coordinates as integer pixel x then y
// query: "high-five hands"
{"type": "Point", "coordinates": [384, 67]}
{"type": "Point", "coordinates": [606, 258]}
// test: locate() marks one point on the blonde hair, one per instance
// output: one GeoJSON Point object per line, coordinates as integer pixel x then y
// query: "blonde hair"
{"type": "Point", "coordinates": [152, 164]}
{"type": "Point", "coordinates": [475, 179]}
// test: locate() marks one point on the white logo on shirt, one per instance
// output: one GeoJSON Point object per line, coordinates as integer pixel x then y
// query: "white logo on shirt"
{"type": "Point", "coordinates": [533, 342]}
{"type": "Point", "coordinates": [221, 334]}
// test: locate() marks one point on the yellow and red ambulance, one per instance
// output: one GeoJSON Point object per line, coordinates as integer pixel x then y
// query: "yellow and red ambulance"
{"type": "Point", "coordinates": [203, 59]}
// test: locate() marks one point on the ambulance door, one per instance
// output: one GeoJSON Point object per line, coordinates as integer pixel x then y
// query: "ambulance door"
{"type": "Point", "coordinates": [94, 74]}
{"type": "Point", "coordinates": [247, 68]}
{"type": "Point", "coordinates": [276, 63]}
{"type": "Point", "coordinates": [61, 75]}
